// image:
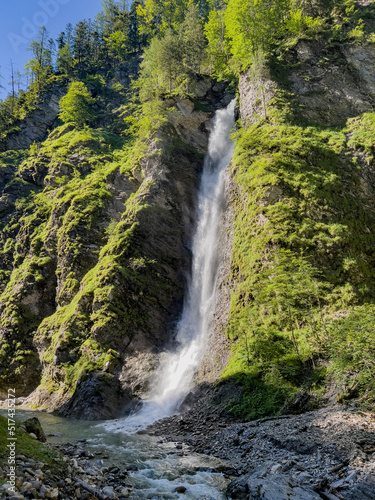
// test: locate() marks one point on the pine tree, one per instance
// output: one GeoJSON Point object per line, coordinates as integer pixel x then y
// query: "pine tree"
{"type": "Point", "coordinates": [192, 40]}
{"type": "Point", "coordinates": [41, 64]}
{"type": "Point", "coordinates": [169, 60]}
{"type": "Point", "coordinates": [117, 45]}
{"type": "Point", "coordinates": [218, 51]}
{"type": "Point", "coordinates": [81, 46]}
{"type": "Point", "coordinates": [65, 60]}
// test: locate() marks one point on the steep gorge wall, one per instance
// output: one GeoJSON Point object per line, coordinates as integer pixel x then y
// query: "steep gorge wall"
{"type": "Point", "coordinates": [95, 270]}
{"type": "Point", "coordinates": [296, 183]}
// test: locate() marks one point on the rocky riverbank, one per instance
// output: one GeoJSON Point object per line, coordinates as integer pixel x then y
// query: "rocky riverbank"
{"type": "Point", "coordinates": [81, 470]}
{"type": "Point", "coordinates": [325, 454]}
{"type": "Point", "coordinates": [328, 453]}
{"type": "Point", "coordinates": [75, 473]}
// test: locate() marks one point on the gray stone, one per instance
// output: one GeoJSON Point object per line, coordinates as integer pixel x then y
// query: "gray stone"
{"type": "Point", "coordinates": [280, 487]}
{"type": "Point", "coordinates": [202, 87]}
{"type": "Point", "coordinates": [109, 492]}
{"type": "Point", "coordinates": [276, 468]}
{"type": "Point", "coordinates": [180, 489]}
{"type": "Point", "coordinates": [34, 127]}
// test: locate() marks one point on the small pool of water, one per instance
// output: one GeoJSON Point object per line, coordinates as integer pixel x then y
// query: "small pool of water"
{"type": "Point", "coordinates": [157, 467]}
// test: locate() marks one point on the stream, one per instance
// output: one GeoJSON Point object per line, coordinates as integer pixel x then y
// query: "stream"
{"type": "Point", "coordinates": [155, 468]}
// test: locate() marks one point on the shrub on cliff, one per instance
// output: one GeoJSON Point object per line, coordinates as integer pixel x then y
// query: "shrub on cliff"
{"type": "Point", "coordinates": [76, 105]}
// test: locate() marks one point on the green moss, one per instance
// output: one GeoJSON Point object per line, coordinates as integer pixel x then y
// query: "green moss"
{"type": "Point", "coordinates": [302, 256]}
{"type": "Point", "coordinates": [29, 447]}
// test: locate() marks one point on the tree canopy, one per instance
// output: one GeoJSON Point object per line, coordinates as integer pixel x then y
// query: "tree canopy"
{"type": "Point", "coordinates": [76, 105]}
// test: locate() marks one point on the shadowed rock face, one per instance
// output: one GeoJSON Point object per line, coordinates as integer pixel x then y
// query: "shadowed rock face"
{"type": "Point", "coordinates": [34, 128]}
{"type": "Point", "coordinates": [98, 396]}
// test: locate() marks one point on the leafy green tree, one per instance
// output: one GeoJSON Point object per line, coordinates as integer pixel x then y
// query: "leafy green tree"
{"type": "Point", "coordinates": [287, 295]}
{"type": "Point", "coordinates": [76, 105]}
{"type": "Point", "coordinates": [65, 60]}
{"type": "Point", "coordinates": [137, 34]}
{"type": "Point", "coordinates": [117, 45]}
{"type": "Point", "coordinates": [218, 49]}
{"type": "Point", "coordinates": [169, 61]}
{"type": "Point", "coordinates": [113, 17]}
{"type": "Point", "coordinates": [161, 69]}
{"type": "Point", "coordinates": [252, 26]}
{"type": "Point", "coordinates": [351, 343]}
{"type": "Point", "coordinates": [157, 16]}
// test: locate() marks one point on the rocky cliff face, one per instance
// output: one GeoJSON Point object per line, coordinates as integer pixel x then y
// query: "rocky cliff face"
{"type": "Point", "coordinates": [95, 239]}
{"type": "Point", "coordinates": [332, 84]}
{"type": "Point", "coordinates": [95, 255]}
{"type": "Point", "coordinates": [296, 184]}
{"type": "Point", "coordinates": [36, 125]}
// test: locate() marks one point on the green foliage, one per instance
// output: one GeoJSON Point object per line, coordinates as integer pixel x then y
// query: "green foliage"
{"type": "Point", "coordinates": [218, 45]}
{"type": "Point", "coordinates": [75, 202]}
{"type": "Point", "coordinates": [171, 63]}
{"type": "Point", "coordinates": [28, 446]}
{"type": "Point", "coordinates": [301, 192]}
{"type": "Point", "coordinates": [362, 133]}
{"type": "Point", "coordinates": [117, 44]}
{"type": "Point", "coordinates": [253, 26]}
{"type": "Point", "coordinates": [157, 16]}
{"type": "Point", "coordinates": [76, 105]}
{"type": "Point", "coordinates": [350, 345]}
{"type": "Point", "coordinates": [41, 64]}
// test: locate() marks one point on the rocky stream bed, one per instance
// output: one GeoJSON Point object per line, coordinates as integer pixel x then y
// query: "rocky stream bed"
{"type": "Point", "coordinates": [328, 453]}
{"type": "Point", "coordinates": [325, 454]}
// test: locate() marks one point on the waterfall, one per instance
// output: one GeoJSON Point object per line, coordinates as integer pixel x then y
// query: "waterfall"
{"type": "Point", "coordinates": [174, 378]}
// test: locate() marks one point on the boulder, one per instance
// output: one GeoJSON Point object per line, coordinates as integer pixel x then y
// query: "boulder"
{"type": "Point", "coordinates": [256, 486]}
{"type": "Point", "coordinates": [33, 426]}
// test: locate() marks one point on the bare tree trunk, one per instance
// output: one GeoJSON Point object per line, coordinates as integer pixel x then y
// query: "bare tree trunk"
{"type": "Point", "coordinates": [13, 85]}
{"type": "Point", "coordinates": [264, 101]}
{"type": "Point", "coordinates": [292, 332]}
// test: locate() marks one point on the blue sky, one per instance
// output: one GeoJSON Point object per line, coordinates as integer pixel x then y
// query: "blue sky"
{"type": "Point", "coordinates": [20, 20]}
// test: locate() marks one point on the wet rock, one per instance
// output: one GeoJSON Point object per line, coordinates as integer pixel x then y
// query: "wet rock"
{"type": "Point", "coordinates": [109, 492]}
{"type": "Point", "coordinates": [124, 493]}
{"type": "Point", "coordinates": [276, 468]}
{"type": "Point", "coordinates": [98, 396]}
{"type": "Point", "coordinates": [180, 489]}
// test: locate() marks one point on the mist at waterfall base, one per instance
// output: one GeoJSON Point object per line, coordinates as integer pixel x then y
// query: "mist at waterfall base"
{"type": "Point", "coordinates": [174, 378]}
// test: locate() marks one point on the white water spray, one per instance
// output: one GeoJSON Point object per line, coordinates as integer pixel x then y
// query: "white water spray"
{"type": "Point", "coordinates": [175, 376]}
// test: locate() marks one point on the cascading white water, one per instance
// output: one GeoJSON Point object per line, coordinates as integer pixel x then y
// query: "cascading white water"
{"type": "Point", "coordinates": [175, 376]}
